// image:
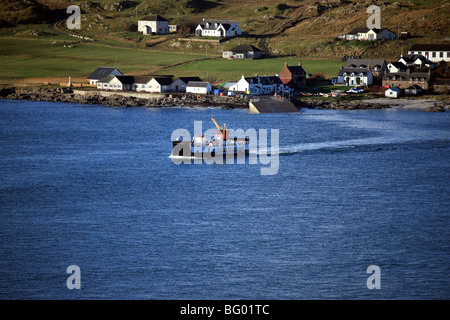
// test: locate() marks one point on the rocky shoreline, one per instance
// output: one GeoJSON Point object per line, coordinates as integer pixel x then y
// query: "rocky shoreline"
{"type": "Point", "coordinates": [122, 99]}
{"type": "Point", "coordinates": [118, 100]}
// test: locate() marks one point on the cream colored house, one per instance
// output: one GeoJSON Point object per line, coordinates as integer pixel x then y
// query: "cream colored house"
{"type": "Point", "coordinates": [153, 24]}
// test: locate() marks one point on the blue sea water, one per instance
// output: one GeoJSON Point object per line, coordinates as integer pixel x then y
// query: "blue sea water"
{"type": "Point", "coordinates": [94, 186]}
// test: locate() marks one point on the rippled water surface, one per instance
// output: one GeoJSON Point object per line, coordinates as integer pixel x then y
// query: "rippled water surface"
{"type": "Point", "coordinates": [94, 186]}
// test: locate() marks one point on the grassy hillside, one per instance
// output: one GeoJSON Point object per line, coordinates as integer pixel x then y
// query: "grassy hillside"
{"type": "Point", "coordinates": [300, 29]}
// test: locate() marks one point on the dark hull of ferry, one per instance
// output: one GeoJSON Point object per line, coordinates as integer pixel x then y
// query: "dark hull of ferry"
{"type": "Point", "coordinates": [186, 149]}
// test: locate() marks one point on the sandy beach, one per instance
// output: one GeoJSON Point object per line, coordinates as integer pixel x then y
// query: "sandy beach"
{"type": "Point", "coordinates": [409, 104]}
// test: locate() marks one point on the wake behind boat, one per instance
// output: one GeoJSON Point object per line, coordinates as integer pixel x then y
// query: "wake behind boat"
{"type": "Point", "coordinates": [222, 144]}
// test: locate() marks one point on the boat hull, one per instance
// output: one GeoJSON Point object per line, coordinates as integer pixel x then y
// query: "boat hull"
{"type": "Point", "coordinates": [189, 149]}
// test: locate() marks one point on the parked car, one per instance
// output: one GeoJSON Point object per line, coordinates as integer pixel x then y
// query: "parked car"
{"type": "Point", "coordinates": [355, 90]}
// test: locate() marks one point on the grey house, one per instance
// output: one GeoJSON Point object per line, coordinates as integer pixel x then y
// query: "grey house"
{"type": "Point", "coordinates": [243, 51]}
{"type": "Point", "coordinates": [180, 84]}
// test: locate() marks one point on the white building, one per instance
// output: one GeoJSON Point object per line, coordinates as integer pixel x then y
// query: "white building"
{"type": "Point", "coordinates": [395, 67]}
{"type": "Point", "coordinates": [159, 84]}
{"type": "Point", "coordinates": [433, 52]}
{"type": "Point", "coordinates": [392, 93]}
{"type": "Point", "coordinates": [354, 77]}
{"type": "Point", "coordinates": [142, 83]}
{"type": "Point", "coordinates": [153, 24]}
{"type": "Point", "coordinates": [258, 85]}
{"type": "Point", "coordinates": [102, 72]}
{"type": "Point", "coordinates": [365, 33]}
{"type": "Point", "coordinates": [218, 28]}
{"type": "Point", "coordinates": [116, 83]}
{"type": "Point", "coordinates": [201, 87]}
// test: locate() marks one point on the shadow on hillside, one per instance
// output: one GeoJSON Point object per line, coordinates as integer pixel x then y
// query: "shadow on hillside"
{"type": "Point", "coordinates": [198, 6]}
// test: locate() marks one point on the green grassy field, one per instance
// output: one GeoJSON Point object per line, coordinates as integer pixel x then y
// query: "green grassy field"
{"type": "Point", "coordinates": [220, 70]}
{"type": "Point", "coordinates": [23, 58]}
{"type": "Point", "coordinates": [37, 58]}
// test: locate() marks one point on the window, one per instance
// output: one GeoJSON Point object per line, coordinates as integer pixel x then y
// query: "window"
{"type": "Point", "coordinates": [441, 54]}
{"type": "Point", "coordinates": [434, 55]}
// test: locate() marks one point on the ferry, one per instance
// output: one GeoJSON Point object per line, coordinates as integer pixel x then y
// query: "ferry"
{"type": "Point", "coordinates": [222, 144]}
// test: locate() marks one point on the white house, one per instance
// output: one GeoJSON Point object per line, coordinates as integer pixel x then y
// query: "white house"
{"type": "Point", "coordinates": [116, 83]}
{"type": "Point", "coordinates": [395, 67]}
{"type": "Point", "coordinates": [365, 33]}
{"type": "Point", "coordinates": [392, 93]}
{"type": "Point", "coordinates": [417, 61]}
{"type": "Point", "coordinates": [201, 87]}
{"type": "Point", "coordinates": [102, 72]}
{"type": "Point", "coordinates": [159, 84]}
{"type": "Point", "coordinates": [142, 83]}
{"type": "Point", "coordinates": [434, 52]}
{"type": "Point", "coordinates": [218, 28]}
{"type": "Point", "coordinates": [153, 24]}
{"type": "Point", "coordinates": [354, 76]}
{"type": "Point", "coordinates": [258, 85]}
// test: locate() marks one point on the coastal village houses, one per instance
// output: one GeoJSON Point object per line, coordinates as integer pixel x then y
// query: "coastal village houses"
{"type": "Point", "coordinates": [361, 72]}
{"type": "Point", "coordinates": [243, 51]}
{"type": "Point", "coordinates": [365, 33]}
{"type": "Point", "coordinates": [404, 80]}
{"type": "Point", "coordinates": [102, 72]}
{"type": "Point", "coordinates": [116, 83]}
{"type": "Point", "coordinates": [180, 84]}
{"type": "Point", "coordinates": [265, 85]}
{"type": "Point", "coordinates": [433, 52]}
{"type": "Point", "coordinates": [293, 76]}
{"type": "Point", "coordinates": [201, 87]}
{"type": "Point", "coordinates": [218, 28]}
{"type": "Point", "coordinates": [153, 24]}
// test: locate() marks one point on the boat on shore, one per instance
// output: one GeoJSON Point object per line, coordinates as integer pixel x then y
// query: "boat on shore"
{"type": "Point", "coordinates": [221, 144]}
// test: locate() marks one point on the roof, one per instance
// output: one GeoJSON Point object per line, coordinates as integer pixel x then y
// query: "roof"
{"type": "Point", "coordinates": [365, 30]}
{"type": "Point", "coordinates": [122, 79]}
{"type": "Point", "coordinates": [214, 24]}
{"type": "Point", "coordinates": [142, 79]}
{"type": "Point", "coordinates": [364, 63]}
{"type": "Point", "coordinates": [359, 30]}
{"type": "Point", "coordinates": [153, 17]}
{"type": "Point", "coordinates": [275, 79]}
{"type": "Point", "coordinates": [399, 65]}
{"type": "Point", "coordinates": [101, 72]}
{"type": "Point", "coordinates": [414, 57]}
{"type": "Point", "coordinates": [164, 81]}
{"type": "Point", "coordinates": [245, 48]}
{"type": "Point", "coordinates": [353, 70]}
{"type": "Point", "coordinates": [430, 47]}
{"type": "Point", "coordinates": [198, 84]}
{"type": "Point", "coordinates": [187, 79]}
{"type": "Point", "coordinates": [106, 79]}
{"type": "Point", "coordinates": [415, 86]}
{"type": "Point", "coordinates": [401, 76]}
{"type": "Point", "coordinates": [125, 79]}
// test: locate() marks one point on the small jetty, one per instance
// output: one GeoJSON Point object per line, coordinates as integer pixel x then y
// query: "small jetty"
{"type": "Point", "coordinates": [272, 105]}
